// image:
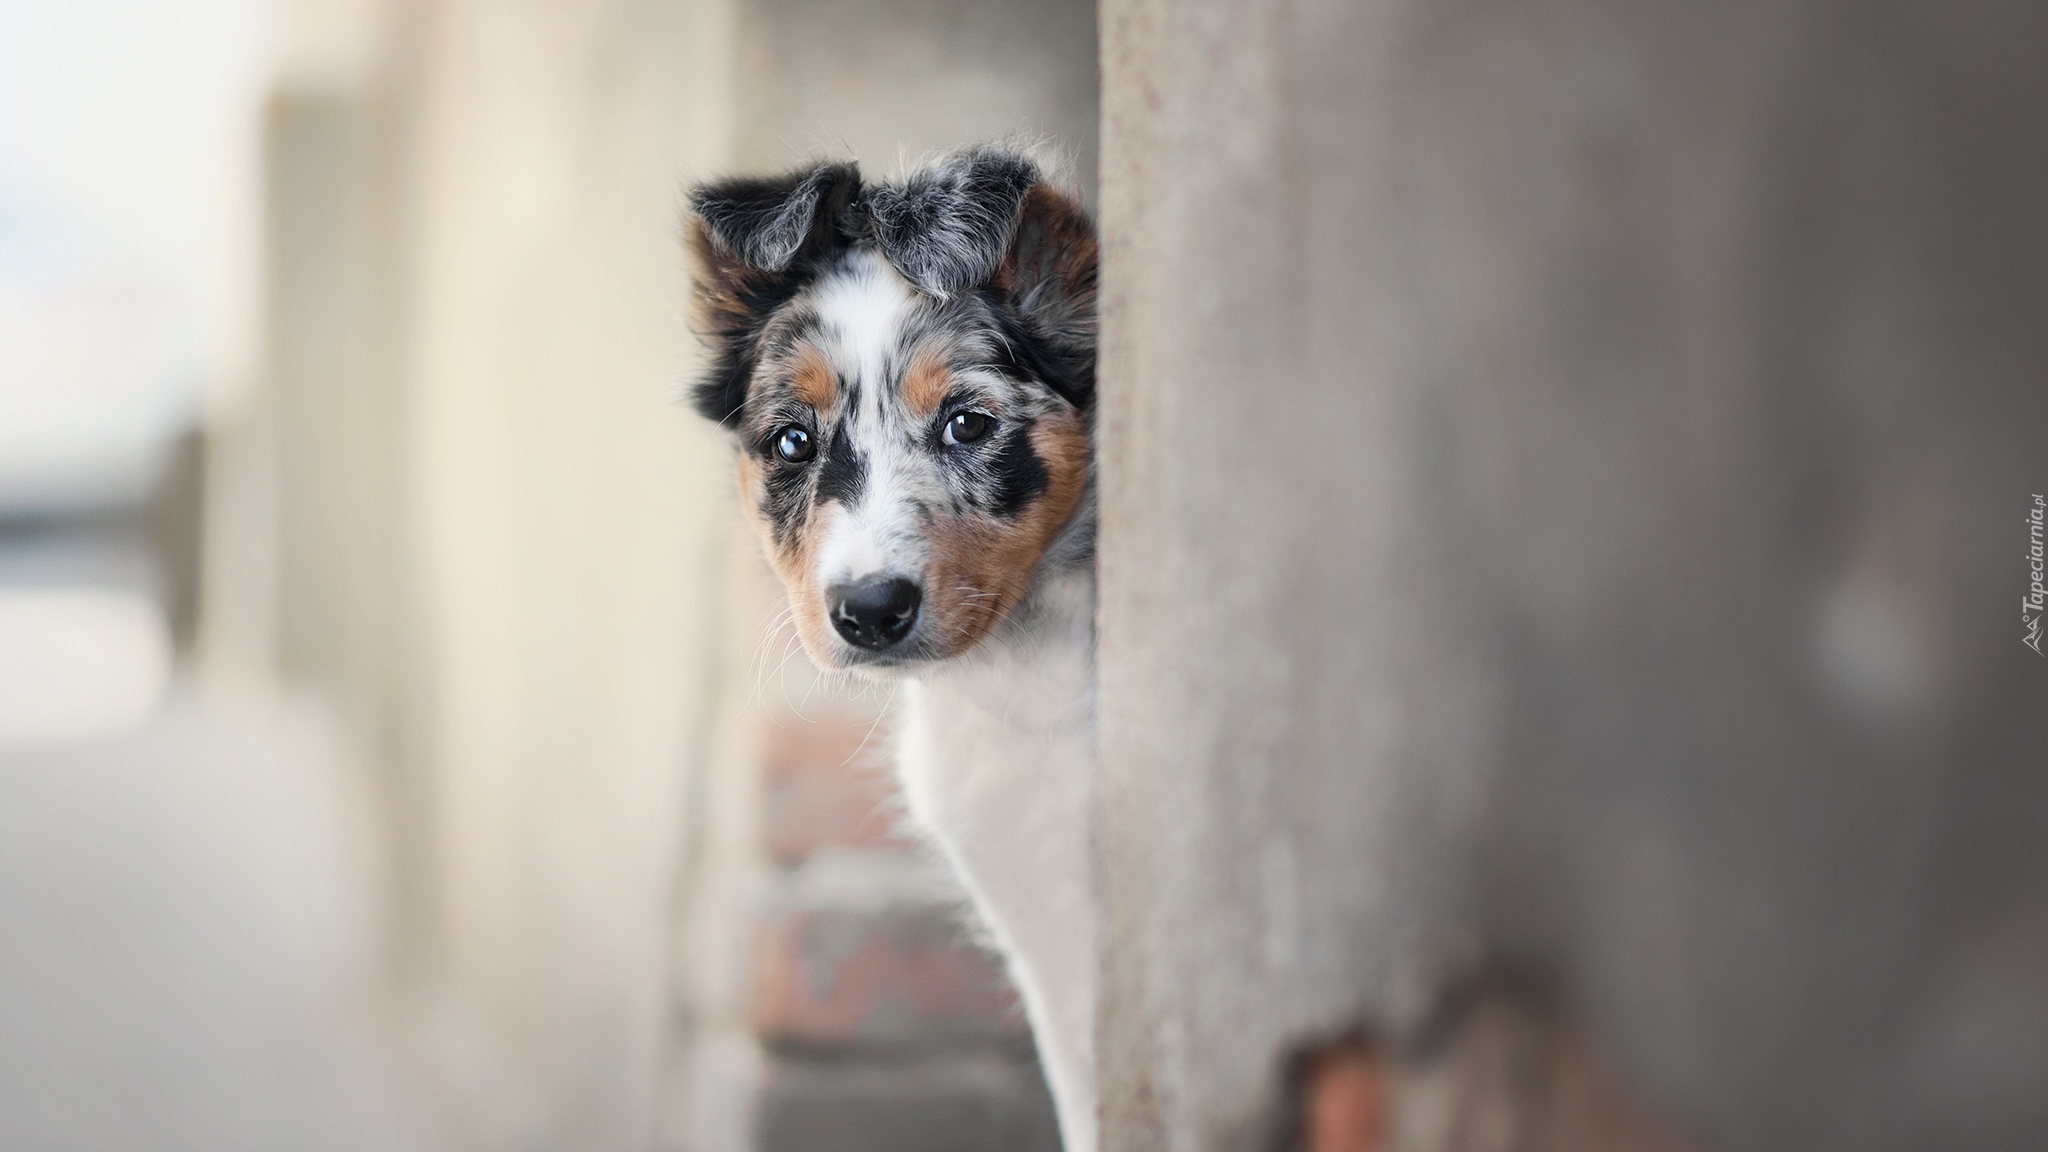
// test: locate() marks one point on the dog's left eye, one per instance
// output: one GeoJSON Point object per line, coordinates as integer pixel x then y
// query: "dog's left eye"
{"type": "Point", "coordinates": [967, 427]}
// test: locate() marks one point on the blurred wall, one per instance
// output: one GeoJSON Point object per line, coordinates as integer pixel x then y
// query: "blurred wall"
{"type": "Point", "coordinates": [496, 533]}
{"type": "Point", "coordinates": [1565, 478]}
{"type": "Point", "coordinates": [468, 502]}
{"type": "Point", "coordinates": [890, 81]}
{"type": "Point", "coordinates": [569, 521]}
{"type": "Point", "coordinates": [128, 162]}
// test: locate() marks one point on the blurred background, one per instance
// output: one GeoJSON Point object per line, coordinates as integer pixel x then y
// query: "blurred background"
{"type": "Point", "coordinates": [395, 749]}
{"type": "Point", "coordinates": [1565, 471]}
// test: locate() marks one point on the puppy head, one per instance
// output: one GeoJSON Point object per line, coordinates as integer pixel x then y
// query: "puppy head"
{"type": "Point", "coordinates": [907, 370]}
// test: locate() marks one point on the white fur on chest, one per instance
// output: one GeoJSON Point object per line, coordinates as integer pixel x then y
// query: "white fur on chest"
{"type": "Point", "coordinates": [996, 752]}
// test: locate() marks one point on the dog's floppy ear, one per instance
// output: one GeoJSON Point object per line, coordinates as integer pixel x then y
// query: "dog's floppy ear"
{"type": "Point", "coordinates": [756, 242]}
{"type": "Point", "coordinates": [947, 227]}
{"type": "Point", "coordinates": [766, 223]}
{"type": "Point", "coordinates": [1047, 284]}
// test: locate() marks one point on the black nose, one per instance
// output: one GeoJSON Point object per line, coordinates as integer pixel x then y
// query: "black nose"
{"type": "Point", "coordinates": [874, 613]}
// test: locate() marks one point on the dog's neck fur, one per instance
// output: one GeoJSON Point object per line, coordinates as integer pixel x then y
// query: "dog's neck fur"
{"type": "Point", "coordinates": [996, 753]}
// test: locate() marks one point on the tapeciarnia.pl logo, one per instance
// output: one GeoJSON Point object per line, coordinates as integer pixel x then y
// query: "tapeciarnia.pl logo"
{"type": "Point", "coordinates": [2036, 598]}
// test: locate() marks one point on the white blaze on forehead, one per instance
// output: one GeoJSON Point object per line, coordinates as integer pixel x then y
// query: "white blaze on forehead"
{"type": "Point", "coordinates": [861, 311]}
{"type": "Point", "coordinates": [862, 308]}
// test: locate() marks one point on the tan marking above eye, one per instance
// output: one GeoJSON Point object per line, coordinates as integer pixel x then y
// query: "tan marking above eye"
{"type": "Point", "coordinates": [813, 380]}
{"type": "Point", "coordinates": [927, 384]}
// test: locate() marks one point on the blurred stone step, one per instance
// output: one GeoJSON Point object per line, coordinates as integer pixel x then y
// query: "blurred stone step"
{"type": "Point", "coordinates": [877, 961]}
{"type": "Point", "coordinates": [978, 1104]}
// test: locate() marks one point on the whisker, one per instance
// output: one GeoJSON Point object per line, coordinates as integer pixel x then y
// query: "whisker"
{"type": "Point", "coordinates": [870, 733]}
{"type": "Point", "coordinates": [790, 649]}
{"type": "Point", "coordinates": [769, 632]}
{"type": "Point", "coordinates": [779, 628]}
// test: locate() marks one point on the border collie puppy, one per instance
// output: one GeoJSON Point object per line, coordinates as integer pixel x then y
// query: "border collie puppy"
{"type": "Point", "coordinates": [908, 371]}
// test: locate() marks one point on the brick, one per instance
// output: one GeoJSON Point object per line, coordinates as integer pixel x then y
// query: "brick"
{"type": "Point", "coordinates": [981, 1103]}
{"type": "Point", "coordinates": [826, 785]}
{"type": "Point", "coordinates": [880, 977]}
{"type": "Point", "coordinates": [1345, 1105]}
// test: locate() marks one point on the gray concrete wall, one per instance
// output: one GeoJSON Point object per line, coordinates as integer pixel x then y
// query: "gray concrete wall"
{"type": "Point", "coordinates": [469, 505]}
{"type": "Point", "coordinates": [1564, 469]}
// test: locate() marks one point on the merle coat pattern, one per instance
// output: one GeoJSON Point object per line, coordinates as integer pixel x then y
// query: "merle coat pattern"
{"type": "Point", "coordinates": [908, 372]}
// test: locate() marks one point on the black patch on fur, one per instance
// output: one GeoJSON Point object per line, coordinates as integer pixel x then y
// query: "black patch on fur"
{"type": "Point", "coordinates": [1025, 353]}
{"type": "Point", "coordinates": [947, 228]}
{"type": "Point", "coordinates": [843, 471]}
{"type": "Point", "coordinates": [785, 495]}
{"type": "Point", "coordinates": [722, 391]}
{"type": "Point", "coordinates": [1019, 475]}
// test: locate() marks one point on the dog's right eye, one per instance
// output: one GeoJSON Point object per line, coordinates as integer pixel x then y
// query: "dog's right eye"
{"type": "Point", "coordinates": [794, 444]}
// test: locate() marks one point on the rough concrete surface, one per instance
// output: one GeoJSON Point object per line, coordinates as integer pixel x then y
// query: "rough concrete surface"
{"type": "Point", "coordinates": [1564, 468]}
